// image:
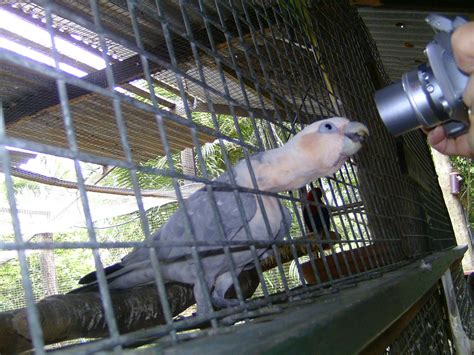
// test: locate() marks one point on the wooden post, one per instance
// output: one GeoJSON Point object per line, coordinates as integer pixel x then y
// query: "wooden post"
{"type": "Point", "coordinates": [455, 209]}
{"type": "Point", "coordinates": [48, 268]}
{"type": "Point", "coordinates": [461, 340]}
{"type": "Point", "coordinates": [188, 163]}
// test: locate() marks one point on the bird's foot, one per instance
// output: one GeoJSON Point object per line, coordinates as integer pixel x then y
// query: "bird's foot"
{"type": "Point", "coordinates": [222, 302]}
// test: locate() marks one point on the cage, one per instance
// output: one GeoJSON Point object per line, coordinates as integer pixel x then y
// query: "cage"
{"type": "Point", "coordinates": [134, 106]}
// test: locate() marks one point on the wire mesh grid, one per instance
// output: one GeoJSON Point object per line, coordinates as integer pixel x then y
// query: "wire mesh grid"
{"type": "Point", "coordinates": [234, 79]}
{"type": "Point", "coordinates": [463, 298]}
{"type": "Point", "coordinates": [428, 332]}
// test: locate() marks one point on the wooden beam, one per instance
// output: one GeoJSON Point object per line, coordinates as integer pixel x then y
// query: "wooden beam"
{"type": "Point", "coordinates": [146, 95]}
{"type": "Point", "coordinates": [125, 71]}
{"type": "Point", "coordinates": [390, 335]}
{"type": "Point", "coordinates": [30, 44]}
{"type": "Point", "coordinates": [238, 110]}
{"type": "Point", "coordinates": [37, 22]}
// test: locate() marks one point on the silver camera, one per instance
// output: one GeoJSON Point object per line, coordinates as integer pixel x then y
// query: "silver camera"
{"type": "Point", "coordinates": [430, 94]}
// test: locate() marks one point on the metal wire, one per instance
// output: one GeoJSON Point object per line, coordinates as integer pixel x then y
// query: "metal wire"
{"type": "Point", "coordinates": [259, 73]}
{"type": "Point", "coordinates": [428, 332]}
{"type": "Point", "coordinates": [71, 137]}
{"type": "Point", "coordinates": [34, 323]}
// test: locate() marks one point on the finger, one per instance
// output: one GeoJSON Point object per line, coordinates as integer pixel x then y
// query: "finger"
{"type": "Point", "coordinates": [425, 130]}
{"type": "Point", "coordinates": [451, 146]}
{"type": "Point", "coordinates": [468, 95]}
{"type": "Point", "coordinates": [436, 136]}
{"type": "Point", "coordinates": [463, 47]}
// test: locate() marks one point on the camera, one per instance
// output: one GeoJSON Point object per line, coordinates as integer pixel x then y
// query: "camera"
{"type": "Point", "coordinates": [430, 94]}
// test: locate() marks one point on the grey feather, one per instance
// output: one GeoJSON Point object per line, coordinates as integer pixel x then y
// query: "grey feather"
{"type": "Point", "coordinates": [200, 210]}
{"type": "Point", "coordinates": [281, 169]}
{"type": "Point", "coordinates": [177, 263]}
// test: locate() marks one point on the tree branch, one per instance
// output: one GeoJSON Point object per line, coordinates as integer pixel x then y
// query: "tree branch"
{"type": "Point", "coordinates": [72, 316]}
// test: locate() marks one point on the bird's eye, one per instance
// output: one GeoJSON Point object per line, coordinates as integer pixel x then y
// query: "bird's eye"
{"type": "Point", "coordinates": [327, 127]}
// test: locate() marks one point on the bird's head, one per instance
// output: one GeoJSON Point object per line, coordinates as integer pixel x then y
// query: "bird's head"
{"type": "Point", "coordinates": [327, 144]}
{"type": "Point", "coordinates": [315, 191]}
{"type": "Point", "coordinates": [318, 150]}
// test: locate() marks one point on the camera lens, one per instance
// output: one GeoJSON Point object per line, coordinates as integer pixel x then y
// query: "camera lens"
{"type": "Point", "coordinates": [395, 109]}
{"type": "Point", "coordinates": [411, 102]}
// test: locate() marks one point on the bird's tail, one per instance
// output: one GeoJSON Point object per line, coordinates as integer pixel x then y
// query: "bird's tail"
{"type": "Point", "coordinates": [90, 280]}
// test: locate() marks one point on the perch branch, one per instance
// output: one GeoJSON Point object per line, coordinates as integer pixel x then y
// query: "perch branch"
{"type": "Point", "coordinates": [72, 316]}
{"type": "Point", "coordinates": [52, 181]}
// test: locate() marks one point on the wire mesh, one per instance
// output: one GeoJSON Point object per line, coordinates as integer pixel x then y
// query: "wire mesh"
{"type": "Point", "coordinates": [228, 80]}
{"type": "Point", "coordinates": [428, 332]}
{"type": "Point", "coordinates": [463, 298]}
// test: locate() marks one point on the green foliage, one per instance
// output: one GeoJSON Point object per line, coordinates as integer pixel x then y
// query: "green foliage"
{"type": "Point", "coordinates": [299, 9]}
{"type": "Point", "coordinates": [21, 185]}
{"type": "Point", "coordinates": [71, 264]}
{"type": "Point", "coordinates": [213, 155]}
{"type": "Point", "coordinates": [466, 170]}
{"type": "Point", "coordinates": [10, 286]}
{"type": "Point", "coordinates": [121, 177]}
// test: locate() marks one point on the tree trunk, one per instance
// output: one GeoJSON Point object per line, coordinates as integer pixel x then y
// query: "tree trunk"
{"type": "Point", "coordinates": [48, 268]}
{"type": "Point", "coordinates": [188, 163]}
{"type": "Point", "coordinates": [455, 209]}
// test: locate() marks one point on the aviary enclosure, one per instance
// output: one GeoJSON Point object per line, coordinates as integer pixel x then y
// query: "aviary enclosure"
{"type": "Point", "coordinates": [178, 92]}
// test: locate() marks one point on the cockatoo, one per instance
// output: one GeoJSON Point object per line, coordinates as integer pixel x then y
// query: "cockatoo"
{"type": "Point", "coordinates": [318, 150]}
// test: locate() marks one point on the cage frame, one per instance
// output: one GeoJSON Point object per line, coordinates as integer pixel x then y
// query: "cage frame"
{"type": "Point", "coordinates": [369, 275]}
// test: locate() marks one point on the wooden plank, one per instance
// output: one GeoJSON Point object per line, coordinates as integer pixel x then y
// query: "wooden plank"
{"type": "Point", "coordinates": [331, 323]}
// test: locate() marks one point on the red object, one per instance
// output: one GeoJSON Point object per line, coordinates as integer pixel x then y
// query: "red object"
{"type": "Point", "coordinates": [310, 210]}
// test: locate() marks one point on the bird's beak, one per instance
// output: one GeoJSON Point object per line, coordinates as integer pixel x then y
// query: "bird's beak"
{"type": "Point", "coordinates": [356, 132]}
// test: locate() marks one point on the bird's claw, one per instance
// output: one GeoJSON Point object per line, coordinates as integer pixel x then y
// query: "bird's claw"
{"type": "Point", "coordinates": [221, 302]}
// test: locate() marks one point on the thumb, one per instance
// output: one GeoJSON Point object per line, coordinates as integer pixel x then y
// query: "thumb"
{"type": "Point", "coordinates": [436, 136]}
{"type": "Point", "coordinates": [452, 146]}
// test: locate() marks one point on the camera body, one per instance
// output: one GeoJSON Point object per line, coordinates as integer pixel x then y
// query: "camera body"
{"type": "Point", "coordinates": [430, 94]}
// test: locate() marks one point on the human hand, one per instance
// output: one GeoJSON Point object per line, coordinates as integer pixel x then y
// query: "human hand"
{"type": "Point", "coordinates": [463, 48]}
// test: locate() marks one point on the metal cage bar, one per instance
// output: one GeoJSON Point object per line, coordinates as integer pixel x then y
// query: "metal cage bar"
{"type": "Point", "coordinates": [229, 80]}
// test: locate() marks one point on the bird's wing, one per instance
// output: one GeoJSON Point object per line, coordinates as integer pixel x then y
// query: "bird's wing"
{"type": "Point", "coordinates": [205, 225]}
{"type": "Point", "coordinates": [284, 230]}
{"type": "Point", "coordinates": [285, 224]}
